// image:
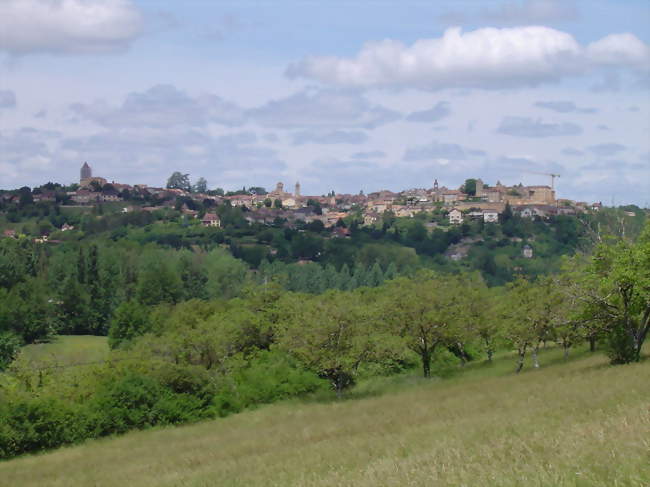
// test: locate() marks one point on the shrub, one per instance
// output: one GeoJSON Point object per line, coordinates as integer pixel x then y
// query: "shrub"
{"type": "Point", "coordinates": [35, 424]}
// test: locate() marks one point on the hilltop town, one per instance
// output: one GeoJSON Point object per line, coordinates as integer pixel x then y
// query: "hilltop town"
{"type": "Point", "coordinates": [472, 200]}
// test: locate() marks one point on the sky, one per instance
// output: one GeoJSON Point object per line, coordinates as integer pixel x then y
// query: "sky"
{"type": "Point", "coordinates": [343, 95]}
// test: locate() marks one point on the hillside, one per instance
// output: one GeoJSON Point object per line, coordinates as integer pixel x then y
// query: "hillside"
{"type": "Point", "coordinates": [578, 424]}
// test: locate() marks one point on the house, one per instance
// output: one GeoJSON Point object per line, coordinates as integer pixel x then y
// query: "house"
{"type": "Point", "coordinates": [44, 196]}
{"type": "Point", "coordinates": [455, 216]}
{"type": "Point", "coordinates": [490, 216]}
{"type": "Point", "coordinates": [67, 227]}
{"type": "Point", "coordinates": [596, 206]}
{"type": "Point", "coordinates": [526, 212]}
{"type": "Point", "coordinates": [451, 195]}
{"type": "Point", "coordinates": [9, 233]}
{"type": "Point", "coordinates": [211, 220]}
{"type": "Point", "coordinates": [527, 251]}
{"type": "Point", "coordinates": [83, 196]}
{"type": "Point", "coordinates": [370, 218]}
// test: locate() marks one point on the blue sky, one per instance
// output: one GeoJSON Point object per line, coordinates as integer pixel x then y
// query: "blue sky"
{"type": "Point", "coordinates": [342, 95]}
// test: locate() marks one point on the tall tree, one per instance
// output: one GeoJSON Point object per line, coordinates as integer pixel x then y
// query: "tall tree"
{"type": "Point", "coordinates": [179, 181]}
{"type": "Point", "coordinates": [617, 294]}
{"type": "Point", "coordinates": [332, 334]}
{"type": "Point", "coordinates": [423, 312]}
{"type": "Point", "coordinates": [201, 185]}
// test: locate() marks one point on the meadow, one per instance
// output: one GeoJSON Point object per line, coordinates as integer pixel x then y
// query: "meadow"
{"type": "Point", "coordinates": [66, 350]}
{"type": "Point", "coordinates": [582, 423]}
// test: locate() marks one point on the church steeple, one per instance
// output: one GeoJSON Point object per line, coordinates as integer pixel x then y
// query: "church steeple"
{"type": "Point", "coordinates": [85, 172]}
{"type": "Point", "coordinates": [297, 190]}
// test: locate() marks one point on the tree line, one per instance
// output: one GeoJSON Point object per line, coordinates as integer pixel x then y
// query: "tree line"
{"type": "Point", "coordinates": [174, 360]}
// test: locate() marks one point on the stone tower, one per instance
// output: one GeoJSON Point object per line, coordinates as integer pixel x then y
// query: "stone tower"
{"type": "Point", "coordinates": [296, 193]}
{"type": "Point", "coordinates": [279, 188]}
{"type": "Point", "coordinates": [480, 190]}
{"type": "Point", "coordinates": [86, 172]}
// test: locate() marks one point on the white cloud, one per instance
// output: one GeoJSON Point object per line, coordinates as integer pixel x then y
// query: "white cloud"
{"type": "Point", "coordinates": [528, 127]}
{"type": "Point", "coordinates": [67, 26]}
{"type": "Point", "coordinates": [322, 109]}
{"type": "Point", "coordinates": [162, 106]}
{"type": "Point", "coordinates": [620, 50]}
{"type": "Point", "coordinates": [483, 58]}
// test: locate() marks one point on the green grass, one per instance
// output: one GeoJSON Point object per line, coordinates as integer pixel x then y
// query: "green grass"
{"type": "Point", "coordinates": [581, 423]}
{"type": "Point", "coordinates": [66, 350]}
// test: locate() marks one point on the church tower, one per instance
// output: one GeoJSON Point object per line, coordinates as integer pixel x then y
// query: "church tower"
{"type": "Point", "coordinates": [86, 172]}
{"type": "Point", "coordinates": [296, 193]}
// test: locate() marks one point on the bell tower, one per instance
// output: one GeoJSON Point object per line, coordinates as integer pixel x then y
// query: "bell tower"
{"type": "Point", "coordinates": [296, 192]}
{"type": "Point", "coordinates": [86, 172]}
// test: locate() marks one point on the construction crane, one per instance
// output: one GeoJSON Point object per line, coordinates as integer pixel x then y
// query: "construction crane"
{"type": "Point", "coordinates": [551, 175]}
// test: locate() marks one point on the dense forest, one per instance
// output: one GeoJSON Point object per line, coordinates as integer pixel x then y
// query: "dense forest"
{"type": "Point", "coordinates": [203, 322]}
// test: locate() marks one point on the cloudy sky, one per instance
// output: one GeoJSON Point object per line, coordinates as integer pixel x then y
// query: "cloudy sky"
{"type": "Point", "coordinates": [342, 94]}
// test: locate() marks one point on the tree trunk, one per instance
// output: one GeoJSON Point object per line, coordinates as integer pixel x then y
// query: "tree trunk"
{"type": "Point", "coordinates": [462, 355]}
{"type": "Point", "coordinates": [520, 360]}
{"type": "Point", "coordinates": [488, 349]}
{"type": "Point", "coordinates": [566, 351]}
{"type": "Point", "coordinates": [535, 359]}
{"type": "Point", "coordinates": [426, 363]}
{"type": "Point", "coordinates": [592, 344]}
{"type": "Point", "coordinates": [338, 386]}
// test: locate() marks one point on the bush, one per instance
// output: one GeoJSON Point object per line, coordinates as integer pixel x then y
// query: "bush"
{"type": "Point", "coordinates": [37, 424]}
{"type": "Point", "coordinates": [136, 401]}
{"type": "Point", "coordinates": [269, 376]}
{"type": "Point", "coordinates": [9, 346]}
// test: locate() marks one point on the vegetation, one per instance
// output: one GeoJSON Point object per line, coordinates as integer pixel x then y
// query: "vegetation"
{"type": "Point", "coordinates": [570, 424]}
{"type": "Point", "coordinates": [194, 323]}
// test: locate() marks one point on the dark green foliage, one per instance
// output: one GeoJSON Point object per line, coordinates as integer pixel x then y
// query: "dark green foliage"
{"type": "Point", "coordinates": [10, 344]}
{"type": "Point", "coordinates": [131, 319]}
{"type": "Point", "coordinates": [36, 424]}
{"type": "Point", "coordinates": [269, 376]}
{"type": "Point", "coordinates": [136, 401]}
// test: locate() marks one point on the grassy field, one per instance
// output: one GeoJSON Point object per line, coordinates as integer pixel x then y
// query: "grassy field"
{"type": "Point", "coordinates": [67, 350]}
{"type": "Point", "coordinates": [583, 423]}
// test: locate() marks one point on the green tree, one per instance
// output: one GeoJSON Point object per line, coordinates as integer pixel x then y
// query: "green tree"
{"type": "Point", "coordinates": [422, 311]}
{"type": "Point", "coordinates": [179, 181]}
{"type": "Point", "coordinates": [201, 185]}
{"type": "Point", "coordinates": [131, 319]}
{"type": "Point", "coordinates": [158, 282]}
{"type": "Point", "coordinates": [331, 334]}
{"type": "Point", "coordinates": [617, 294]}
{"type": "Point", "coordinates": [470, 187]}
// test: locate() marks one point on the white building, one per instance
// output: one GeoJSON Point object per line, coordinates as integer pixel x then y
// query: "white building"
{"type": "Point", "coordinates": [455, 216]}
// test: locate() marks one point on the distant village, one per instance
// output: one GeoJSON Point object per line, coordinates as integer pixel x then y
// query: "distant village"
{"type": "Point", "coordinates": [483, 202]}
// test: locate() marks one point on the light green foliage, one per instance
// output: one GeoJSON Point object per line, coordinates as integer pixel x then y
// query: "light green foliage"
{"type": "Point", "coordinates": [226, 275]}
{"type": "Point", "coordinates": [423, 311]}
{"type": "Point", "coordinates": [570, 425]}
{"type": "Point", "coordinates": [331, 335]}
{"type": "Point", "coordinates": [617, 291]}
